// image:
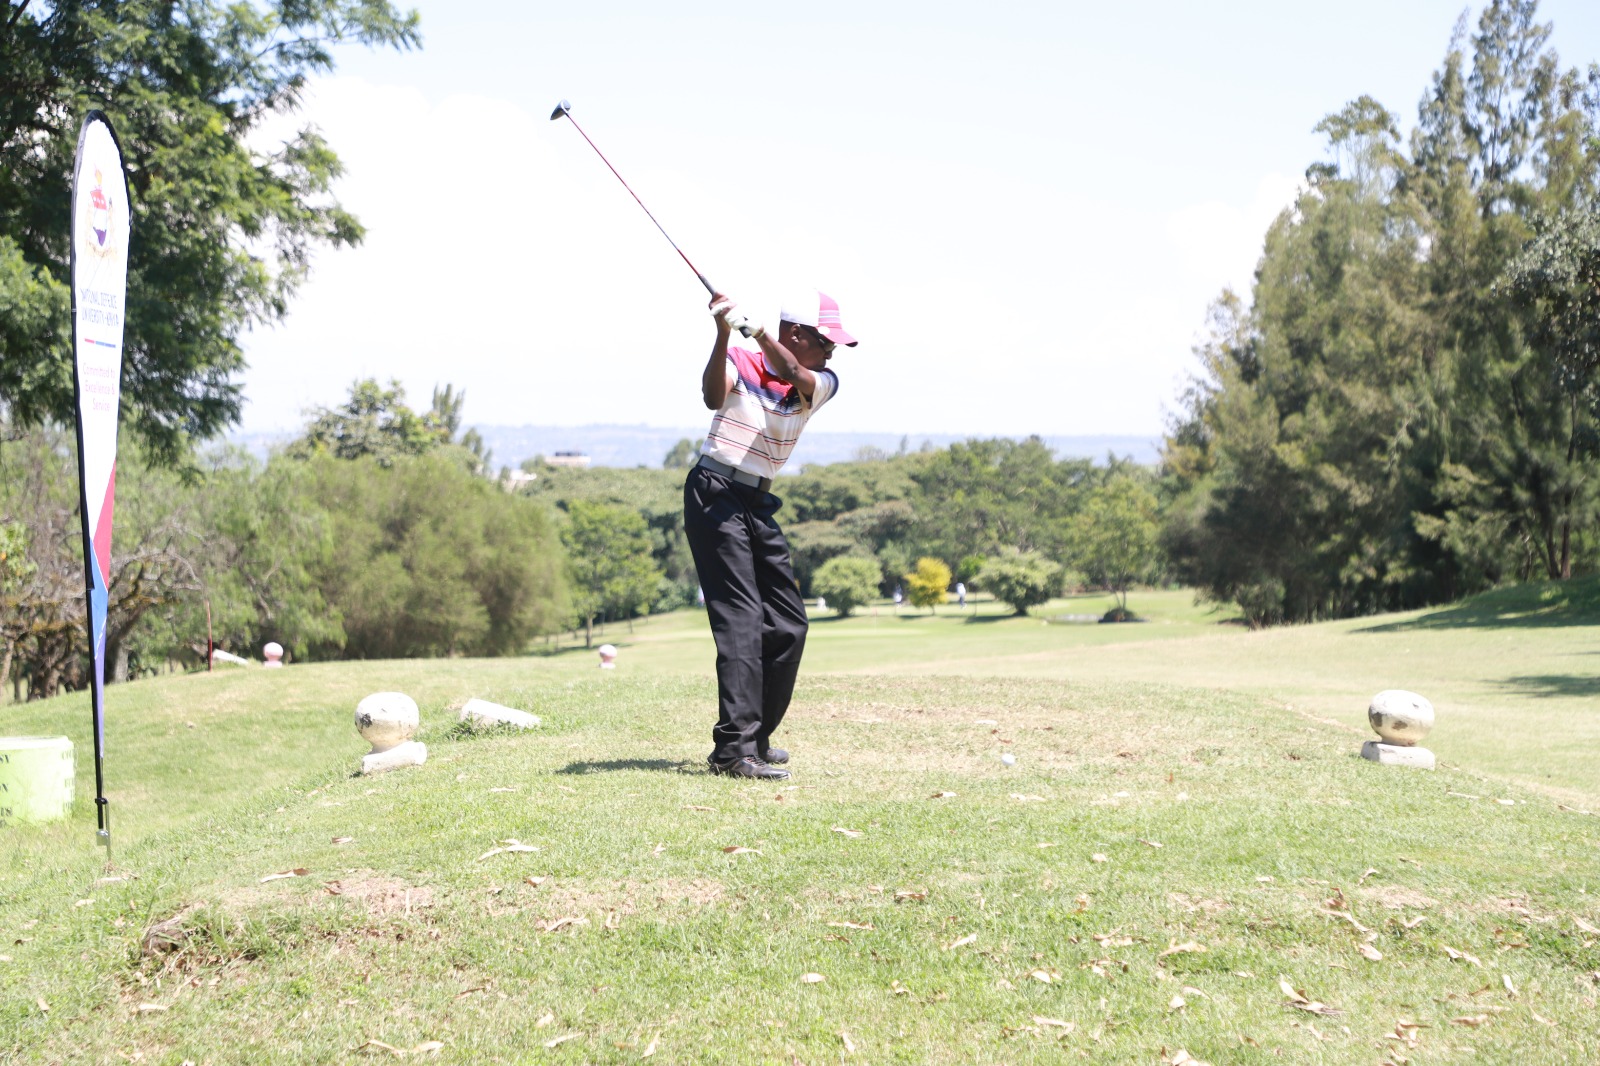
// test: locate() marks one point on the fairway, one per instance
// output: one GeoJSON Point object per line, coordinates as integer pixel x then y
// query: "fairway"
{"type": "Point", "coordinates": [1188, 858]}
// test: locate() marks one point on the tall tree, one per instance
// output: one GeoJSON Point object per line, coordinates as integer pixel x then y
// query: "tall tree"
{"type": "Point", "coordinates": [223, 231]}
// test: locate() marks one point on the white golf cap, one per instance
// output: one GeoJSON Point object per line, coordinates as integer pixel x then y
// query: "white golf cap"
{"type": "Point", "coordinates": [819, 311]}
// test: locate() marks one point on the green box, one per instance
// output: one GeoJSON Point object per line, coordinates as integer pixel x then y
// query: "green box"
{"type": "Point", "coordinates": [36, 779]}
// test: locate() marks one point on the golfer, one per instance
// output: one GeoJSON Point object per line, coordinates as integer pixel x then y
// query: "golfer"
{"type": "Point", "coordinates": [763, 400]}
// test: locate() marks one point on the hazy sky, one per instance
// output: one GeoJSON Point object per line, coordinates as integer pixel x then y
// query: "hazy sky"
{"type": "Point", "coordinates": [1023, 209]}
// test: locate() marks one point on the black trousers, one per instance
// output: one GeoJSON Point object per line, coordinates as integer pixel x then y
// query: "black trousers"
{"type": "Point", "coordinates": [757, 616]}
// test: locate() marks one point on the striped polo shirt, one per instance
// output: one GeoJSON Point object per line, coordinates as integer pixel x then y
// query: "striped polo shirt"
{"type": "Point", "coordinates": [761, 419]}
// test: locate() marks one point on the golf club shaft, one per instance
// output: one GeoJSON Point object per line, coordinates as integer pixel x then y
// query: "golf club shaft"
{"type": "Point", "coordinates": [709, 287]}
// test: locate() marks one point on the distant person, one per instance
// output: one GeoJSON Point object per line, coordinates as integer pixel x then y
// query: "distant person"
{"type": "Point", "coordinates": [961, 595]}
{"type": "Point", "coordinates": [898, 596]}
{"type": "Point", "coordinates": [762, 401]}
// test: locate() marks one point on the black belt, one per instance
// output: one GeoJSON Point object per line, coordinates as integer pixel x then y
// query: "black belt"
{"type": "Point", "coordinates": [743, 477]}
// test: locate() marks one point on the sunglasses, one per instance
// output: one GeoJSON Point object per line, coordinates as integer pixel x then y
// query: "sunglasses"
{"type": "Point", "coordinates": [818, 340]}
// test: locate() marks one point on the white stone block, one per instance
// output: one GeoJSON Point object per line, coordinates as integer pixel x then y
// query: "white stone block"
{"type": "Point", "coordinates": [482, 712]}
{"type": "Point", "coordinates": [411, 753]}
{"type": "Point", "coordinates": [1397, 755]}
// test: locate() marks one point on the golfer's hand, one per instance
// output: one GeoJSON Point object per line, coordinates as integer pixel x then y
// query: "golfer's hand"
{"type": "Point", "coordinates": [726, 312]}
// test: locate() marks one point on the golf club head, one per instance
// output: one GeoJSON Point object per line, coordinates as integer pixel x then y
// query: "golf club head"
{"type": "Point", "coordinates": [561, 109]}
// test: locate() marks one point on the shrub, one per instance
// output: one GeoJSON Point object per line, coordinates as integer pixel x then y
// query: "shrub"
{"type": "Point", "coordinates": [847, 582]}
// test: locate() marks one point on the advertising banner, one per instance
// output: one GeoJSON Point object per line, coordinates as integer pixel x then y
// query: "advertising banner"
{"type": "Point", "coordinates": [100, 231]}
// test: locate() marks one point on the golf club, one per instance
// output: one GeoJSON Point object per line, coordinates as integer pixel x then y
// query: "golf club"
{"type": "Point", "coordinates": [564, 108]}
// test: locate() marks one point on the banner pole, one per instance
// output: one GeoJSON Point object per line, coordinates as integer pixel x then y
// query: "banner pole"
{"type": "Point", "coordinates": [100, 233]}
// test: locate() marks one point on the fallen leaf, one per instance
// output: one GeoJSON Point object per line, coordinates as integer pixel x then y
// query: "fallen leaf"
{"type": "Point", "coordinates": [428, 1047]}
{"type": "Point", "coordinates": [612, 921]}
{"type": "Point", "coordinates": [507, 846]}
{"type": "Point", "coordinates": [381, 1046]}
{"type": "Point", "coordinates": [1044, 976]}
{"type": "Point", "coordinates": [849, 1045]}
{"type": "Point", "coordinates": [651, 1050]}
{"type": "Point", "coordinates": [469, 991]}
{"type": "Point", "coordinates": [296, 872]}
{"type": "Point", "coordinates": [562, 923]}
{"type": "Point", "coordinates": [812, 978]}
{"type": "Point", "coordinates": [1183, 1058]}
{"type": "Point", "coordinates": [898, 989]}
{"type": "Point", "coordinates": [851, 833]}
{"type": "Point", "coordinates": [1462, 956]}
{"type": "Point", "coordinates": [152, 1008]}
{"type": "Point", "coordinates": [1506, 803]}
{"type": "Point", "coordinates": [536, 881]}
{"type": "Point", "coordinates": [1541, 1021]}
{"type": "Point", "coordinates": [1264, 878]}
{"type": "Point", "coordinates": [1370, 952]}
{"type": "Point", "coordinates": [1363, 878]}
{"type": "Point", "coordinates": [1470, 1020]}
{"type": "Point", "coordinates": [907, 894]}
{"type": "Point", "coordinates": [962, 942]}
{"type": "Point", "coordinates": [1026, 799]}
{"type": "Point", "coordinates": [1044, 844]}
{"type": "Point", "coordinates": [548, 1019]}
{"type": "Point", "coordinates": [562, 1039]}
{"type": "Point", "coordinates": [1177, 1003]}
{"type": "Point", "coordinates": [502, 790]}
{"type": "Point", "coordinates": [5, 958]}
{"type": "Point", "coordinates": [1097, 857]}
{"type": "Point", "coordinates": [658, 849]}
{"type": "Point", "coordinates": [344, 840]}
{"type": "Point", "coordinates": [1188, 947]}
{"type": "Point", "coordinates": [697, 807]}
{"type": "Point", "coordinates": [1346, 916]}
{"type": "Point", "coordinates": [43, 1006]}
{"type": "Point", "coordinates": [1511, 989]}
{"type": "Point", "coordinates": [851, 925]}
{"type": "Point", "coordinates": [1584, 926]}
{"type": "Point", "coordinates": [736, 850]}
{"type": "Point", "coordinates": [1190, 990]}
{"type": "Point", "coordinates": [1054, 1023]}
{"type": "Point", "coordinates": [1151, 843]}
{"type": "Point", "coordinates": [1412, 923]}
{"type": "Point", "coordinates": [943, 795]}
{"type": "Point", "coordinates": [1463, 795]}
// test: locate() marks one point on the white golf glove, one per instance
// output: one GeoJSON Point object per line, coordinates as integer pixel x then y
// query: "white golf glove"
{"type": "Point", "coordinates": [729, 310]}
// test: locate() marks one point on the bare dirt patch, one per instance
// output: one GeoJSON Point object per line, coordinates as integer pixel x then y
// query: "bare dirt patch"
{"type": "Point", "coordinates": [382, 896]}
{"type": "Point", "coordinates": [1394, 897]}
{"type": "Point", "coordinates": [556, 897]}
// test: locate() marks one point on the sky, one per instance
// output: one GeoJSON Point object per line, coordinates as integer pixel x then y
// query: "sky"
{"type": "Point", "coordinates": [1023, 209]}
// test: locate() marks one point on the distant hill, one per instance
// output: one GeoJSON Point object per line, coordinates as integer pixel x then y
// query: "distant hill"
{"type": "Point", "coordinates": [648, 445]}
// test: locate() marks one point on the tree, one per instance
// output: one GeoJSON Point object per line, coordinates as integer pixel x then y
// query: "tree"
{"type": "Point", "coordinates": [608, 560]}
{"type": "Point", "coordinates": [929, 583]}
{"type": "Point", "coordinates": [847, 582]}
{"type": "Point", "coordinates": [1117, 537]}
{"type": "Point", "coordinates": [682, 455]}
{"type": "Point", "coordinates": [1021, 579]}
{"type": "Point", "coordinates": [223, 232]}
{"type": "Point", "coordinates": [375, 422]}
{"type": "Point", "coordinates": [426, 559]}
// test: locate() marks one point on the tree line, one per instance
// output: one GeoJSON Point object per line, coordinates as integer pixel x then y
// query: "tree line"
{"type": "Point", "coordinates": [383, 532]}
{"type": "Point", "coordinates": [1407, 409]}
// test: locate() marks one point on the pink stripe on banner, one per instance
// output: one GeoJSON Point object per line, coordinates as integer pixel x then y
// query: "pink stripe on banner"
{"type": "Point", "coordinates": [102, 532]}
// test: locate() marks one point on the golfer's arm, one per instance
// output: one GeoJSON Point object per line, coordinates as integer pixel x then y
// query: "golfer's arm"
{"type": "Point", "coordinates": [718, 376]}
{"type": "Point", "coordinates": [781, 360]}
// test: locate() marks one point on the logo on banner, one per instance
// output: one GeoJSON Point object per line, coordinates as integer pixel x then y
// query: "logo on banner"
{"type": "Point", "coordinates": [100, 236]}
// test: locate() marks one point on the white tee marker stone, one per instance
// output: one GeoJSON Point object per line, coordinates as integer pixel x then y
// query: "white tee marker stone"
{"type": "Point", "coordinates": [1402, 719]}
{"type": "Point", "coordinates": [388, 721]}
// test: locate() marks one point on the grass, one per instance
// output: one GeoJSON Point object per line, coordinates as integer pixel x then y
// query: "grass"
{"type": "Point", "coordinates": [1152, 812]}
